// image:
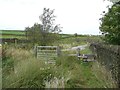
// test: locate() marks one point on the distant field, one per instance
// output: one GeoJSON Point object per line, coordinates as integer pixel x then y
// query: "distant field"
{"type": "Point", "coordinates": [12, 36]}
{"type": "Point", "coordinates": [17, 32]}
{"type": "Point", "coordinates": [20, 34]}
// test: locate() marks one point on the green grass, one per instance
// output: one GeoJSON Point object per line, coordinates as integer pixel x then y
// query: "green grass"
{"type": "Point", "coordinates": [86, 51]}
{"type": "Point", "coordinates": [64, 38]}
{"type": "Point", "coordinates": [12, 34]}
{"type": "Point", "coordinates": [22, 70]}
{"type": "Point", "coordinates": [16, 32]}
{"type": "Point", "coordinates": [80, 74]}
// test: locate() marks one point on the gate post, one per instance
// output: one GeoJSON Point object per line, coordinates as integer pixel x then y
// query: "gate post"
{"type": "Point", "coordinates": [78, 53]}
{"type": "Point", "coordinates": [58, 51]}
{"type": "Point", "coordinates": [35, 51]}
{"type": "Point", "coordinates": [118, 67]}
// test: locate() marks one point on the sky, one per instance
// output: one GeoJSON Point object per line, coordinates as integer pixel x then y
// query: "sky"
{"type": "Point", "coordinates": [75, 16]}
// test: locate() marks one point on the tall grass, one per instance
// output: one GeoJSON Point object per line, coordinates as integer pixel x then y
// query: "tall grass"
{"type": "Point", "coordinates": [27, 71]}
{"type": "Point", "coordinates": [22, 70]}
{"type": "Point", "coordinates": [68, 71]}
{"type": "Point", "coordinates": [83, 74]}
{"type": "Point", "coordinates": [104, 76]}
{"type": "Point", "coordinates": [27, 74]}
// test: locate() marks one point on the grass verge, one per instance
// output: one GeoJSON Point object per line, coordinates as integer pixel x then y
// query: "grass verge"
{"type": "Point", "coordinates": [22, 70]}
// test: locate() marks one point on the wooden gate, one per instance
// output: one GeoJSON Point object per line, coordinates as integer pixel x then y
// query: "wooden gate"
{"type": "Point", "coordinates": [47, 52]}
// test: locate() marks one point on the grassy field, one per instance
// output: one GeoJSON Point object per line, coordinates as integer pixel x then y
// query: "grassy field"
{"type": "Point", "coordinates": [12, 34]}
{"type": "Point", "coordinates": [21, 34]}
{"type": "Point", "coordinates": [16, 32]}
{"type": "Point", "coordinates": [66, 37]}
{"type": "Point", "coordinates": [22, 70]}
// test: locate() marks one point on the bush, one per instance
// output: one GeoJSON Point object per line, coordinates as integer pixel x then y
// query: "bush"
{"type": "Point", "coordinates": [110, 25]}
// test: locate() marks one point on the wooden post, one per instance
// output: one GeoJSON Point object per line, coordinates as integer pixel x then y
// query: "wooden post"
{"type": "Point", "coordinates": [78, 53]}
{"type": "Point", "coordinates": [36, 52]}
{"type": "Point", "coordinates": [58, 51]}
{"type": "Point", "coordinates": [15, 42]}
{"type": "Point", "coordinates": [118, 67]}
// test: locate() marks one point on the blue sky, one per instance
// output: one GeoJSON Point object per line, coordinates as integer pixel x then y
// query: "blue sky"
{"type": "Point", "coordinates": [75, 16]}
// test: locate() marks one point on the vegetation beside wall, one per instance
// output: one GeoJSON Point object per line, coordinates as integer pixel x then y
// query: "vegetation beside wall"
{"type": "Point", "coordinates": [109, 56]}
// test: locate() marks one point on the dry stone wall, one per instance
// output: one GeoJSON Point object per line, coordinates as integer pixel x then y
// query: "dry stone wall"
{"type": "Point", "coordinates": [109, 56]}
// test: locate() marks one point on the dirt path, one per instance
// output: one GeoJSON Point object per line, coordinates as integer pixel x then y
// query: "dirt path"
{"type": "Point", "coordinates": [81, 47]}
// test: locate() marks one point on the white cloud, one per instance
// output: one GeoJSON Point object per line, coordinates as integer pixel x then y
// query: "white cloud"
{"type": "Point", "coordinates": [75, 16]}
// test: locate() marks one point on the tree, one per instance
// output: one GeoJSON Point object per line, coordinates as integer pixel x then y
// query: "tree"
{"type": "Point", "coordinates": [33, 33]}
{"type": "Point", "coordinates": [50, 30]}
{"type": "Point", "coordinates": [45, 33]}
{"type": "Point", "coordinates": [110, 26]}
{"type": "Point", "coordinates": [114, 1]}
